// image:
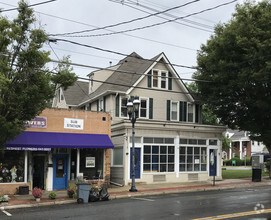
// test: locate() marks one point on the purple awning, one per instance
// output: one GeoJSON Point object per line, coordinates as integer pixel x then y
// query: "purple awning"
{"type": "Point", "coordinates": [60, 140]}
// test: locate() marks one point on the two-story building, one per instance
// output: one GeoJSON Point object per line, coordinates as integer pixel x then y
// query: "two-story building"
{"type": "Point", "coordinates": [171, 144]}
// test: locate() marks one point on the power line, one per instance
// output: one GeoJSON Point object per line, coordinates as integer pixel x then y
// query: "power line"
{"type": "Point", "coordinates": [172, 16]}
{"type": "Point", "coordinates": [118, 53]}
{"type": "Point", "coordinates": [156, 24]}
{"type": "Point", "coordinates": [40, 3]}
{"type": "Point", "coordinates": [129, 35]}
{"type": "Point", "coordinates": [175, 21]}
{"type": "Point", "coordinates": [127, 72]}
{"type": "Point", "coordinates": [126, 22]}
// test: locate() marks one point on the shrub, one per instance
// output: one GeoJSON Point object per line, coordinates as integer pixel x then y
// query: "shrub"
{"type": "Point", "coordinates": [267, 165]}
{"type": "Point", "coordinates": [52, 195]}
{"type": "Point", "coordinates": [37, 192]}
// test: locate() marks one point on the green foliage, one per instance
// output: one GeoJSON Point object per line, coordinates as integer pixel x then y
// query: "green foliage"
{"type": "Point", "coordinates": [26, 84]}
{"type": "Point", "coordinates": [238, 162]}
{"type": "Point", "coordinates": [208, 116]}
{"type": "Point", "coordinates": [237, 61]}
{"type": "Point", "coordinates": [237, 174]}
{"type": "Point", "coordinates": [268, 165]}
{"type": "Point", "coordinates": [52, 195]}
{"type": "Point", "coordinates": [225, 143]}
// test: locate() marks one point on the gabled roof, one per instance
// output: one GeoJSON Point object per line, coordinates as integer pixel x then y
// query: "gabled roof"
{"type": "Point", "coordinates": [128, 74]}
{"type": "Point", "coordinates": [76, 93]}
{"type": "Point", "coordinates": [124, 77]}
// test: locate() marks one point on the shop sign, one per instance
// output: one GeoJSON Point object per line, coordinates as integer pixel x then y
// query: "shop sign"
{"type": "Point", "coordinates": [29, 148]}
{"type": "Point", "coordinates": [71, 123]}
{"type": "Point", "coordinates": [37, 122]}
{"type": "Point", "coordinates": [90, 161]}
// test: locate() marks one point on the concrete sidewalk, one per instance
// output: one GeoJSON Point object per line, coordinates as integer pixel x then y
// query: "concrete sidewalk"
{"type": "Point", "coordinates": [25, 201]}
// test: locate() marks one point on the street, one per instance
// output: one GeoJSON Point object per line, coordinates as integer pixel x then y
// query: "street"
{"type": "Point", "coordinates": [246, 203]}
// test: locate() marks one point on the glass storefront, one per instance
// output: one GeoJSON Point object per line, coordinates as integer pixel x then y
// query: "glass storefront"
{"type": "Point", "coordinates": [11, 166]}
{"type": "Point", "coordinates": [91, 163]}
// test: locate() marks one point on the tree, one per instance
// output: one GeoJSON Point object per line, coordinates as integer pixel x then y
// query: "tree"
{"type": "Point", "coordinates": [236, 59]}
{"type": "Point", "coordinates": [26, 84]}
{"type": "Point", "coordinates": [208, 117]}
{"type": "Point", "coordinates": [226, 143]}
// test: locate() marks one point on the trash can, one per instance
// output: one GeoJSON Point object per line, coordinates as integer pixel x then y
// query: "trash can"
{"type": "Point", "coordinates": [83, 192]}
{"type": "Point", "coordinates": [256, 175]}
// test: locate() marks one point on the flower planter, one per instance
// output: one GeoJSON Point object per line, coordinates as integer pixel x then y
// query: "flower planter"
{"type": "Point", "coordinates": [37, 199]}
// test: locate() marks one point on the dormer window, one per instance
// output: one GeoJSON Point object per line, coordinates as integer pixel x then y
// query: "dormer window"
{"type": "Point", "coordinates": [160, 79]}
{"type": "Point", "coordinates": [155, 78]}
{"type": "Point", "coordinates": [163, 80]}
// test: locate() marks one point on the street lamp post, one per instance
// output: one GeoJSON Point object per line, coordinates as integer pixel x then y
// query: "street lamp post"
{"type": "Point", "coordinates": [133, 109]}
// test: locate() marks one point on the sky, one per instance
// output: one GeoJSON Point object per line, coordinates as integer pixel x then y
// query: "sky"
{"type": "Point", "coordinates": [179, 40]}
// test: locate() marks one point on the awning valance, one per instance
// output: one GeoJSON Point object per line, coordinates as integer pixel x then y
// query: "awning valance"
{"type": "Point", "coordinates": [60, 140]}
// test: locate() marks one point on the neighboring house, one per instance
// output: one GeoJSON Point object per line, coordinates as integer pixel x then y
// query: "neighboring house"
{"type": "Point", "coordinates": [241, 145]}
{"type": "Point", "coordinates": [171, 143]}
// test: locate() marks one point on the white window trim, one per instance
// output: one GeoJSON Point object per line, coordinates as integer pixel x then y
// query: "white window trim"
{"type": "Point", "coordinates": [147, 107]}
{"type": "Point", "coordinates": [153, 172]}
{"type": "Point", "coordinates": [178, 109]}
{"type": "Point", "coordinates": [160, 79]}
{"type": "Point", "coordinates": [101, 105]}
{"type": "Point", "coordinates": [120, 101]}
{"type": "Point", "coordinates": [112, 158]}
{"type": "Point", "coordinates": [194, 114]}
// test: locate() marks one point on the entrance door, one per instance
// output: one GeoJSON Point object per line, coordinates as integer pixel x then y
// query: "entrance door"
{"type": "Point", "coordinates": [213, 162]}
{"type": "Point", "coordinates": [60, 180]}
{"type": "Point", "coordinates": [38, 172]}
{"type": "Point", "coordinates": [137, 162]}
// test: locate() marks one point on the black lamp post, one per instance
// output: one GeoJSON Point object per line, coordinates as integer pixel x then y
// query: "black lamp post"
{"type": "Point", "coordinates": [133, 109]}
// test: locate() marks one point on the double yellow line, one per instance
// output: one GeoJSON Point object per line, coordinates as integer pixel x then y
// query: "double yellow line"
{"type": "Point", "coordinates": [235, 215]}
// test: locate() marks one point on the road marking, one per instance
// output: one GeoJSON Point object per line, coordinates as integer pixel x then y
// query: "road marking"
{"type": "Point", "coordinates": [235, 215]}
{"type": "Point", "coordinates": [7, 213]}
{"type": "Point", "coordinates": [144, 199]}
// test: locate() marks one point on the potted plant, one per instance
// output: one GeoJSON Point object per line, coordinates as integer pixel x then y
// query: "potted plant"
{"type": "Point", "coordinates": [70, 193]}
{"type": "Point", "coordinates": [4, 199]}
{"type": "Point", "coordinates": [52, 195]}
{"type": "Point", "coordinates": [37, 193]}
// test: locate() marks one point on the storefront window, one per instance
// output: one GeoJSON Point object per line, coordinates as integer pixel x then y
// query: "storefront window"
{"type": "Point", "coordinates": [192, 159]}
{"type": "Point", "coordinates": [11, 166]}
{"type": "Point", "coordinates": [158, 158]}
{"type": "Point", "coordinates": [91, 163]}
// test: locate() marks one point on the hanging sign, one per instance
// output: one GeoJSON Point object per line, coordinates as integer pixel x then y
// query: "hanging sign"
{"type": "Point", "coordinates": [71, 123]}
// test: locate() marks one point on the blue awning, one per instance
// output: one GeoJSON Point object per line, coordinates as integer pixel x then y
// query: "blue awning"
{"type": "Point", "coordinates": [33, 139]}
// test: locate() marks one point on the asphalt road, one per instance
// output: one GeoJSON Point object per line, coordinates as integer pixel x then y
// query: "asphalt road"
{"type": "Point", "coordinates": [246, 203]}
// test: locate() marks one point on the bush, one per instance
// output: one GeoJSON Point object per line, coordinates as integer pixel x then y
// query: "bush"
{"type": "Point", "coordinates": [238, 162]}
{"type": "Point", "coordinates": [267, 165]}
{"type": "Point", "coordinates": [52, 195]}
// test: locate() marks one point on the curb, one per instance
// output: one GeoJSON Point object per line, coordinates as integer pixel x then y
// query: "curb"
{"type": "Point", "coordinates": [150, 192]}
{"type": "Point", "coordinates": [37, 205]}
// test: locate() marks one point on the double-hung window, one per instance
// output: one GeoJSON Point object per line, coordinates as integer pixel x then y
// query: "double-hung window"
{"type": "Point", "coordinates": [124, 107]}
{"type": "Point", "coordinates": [163, 80]}
{"type": "Point", "coordinates": [143, 108]}
{"type": "Point", "coordinates": [155, 78]}
{"type": "Point", "coordinates": [174, 111]}
{"type": "Point", "coordinates": [190, 113]}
